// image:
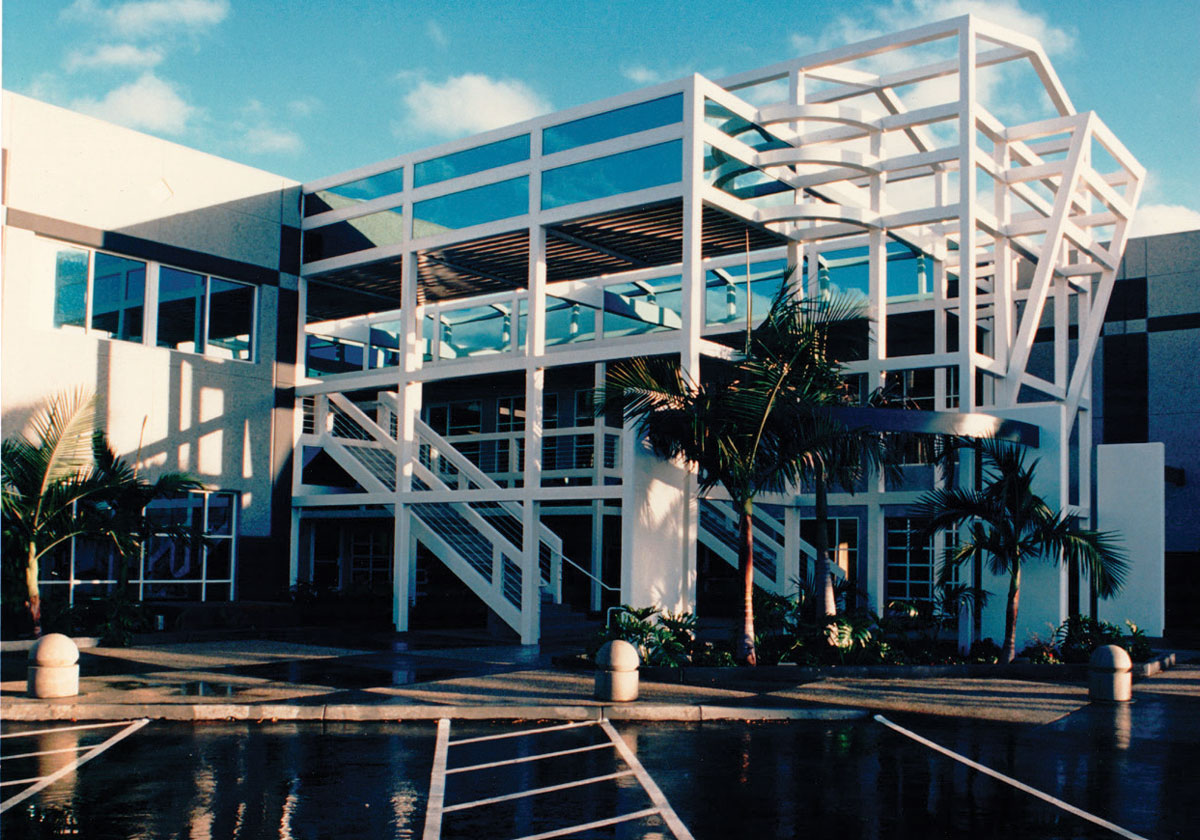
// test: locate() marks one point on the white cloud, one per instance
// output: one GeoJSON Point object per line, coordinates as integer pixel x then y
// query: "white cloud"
{"type": "Point", "coordinates": [263, 139]}
{"type": "Point", "coordinates": [470, 103]}
{"type": "Point", "coordinates": [148, 103]}
{"type": "Point", "coordinates": [122, 56]}
{"type": "Point", "coordinates": [148, 18]}
{"type": "Point", "coordinates": [304, 107]}
{"type": "Point", "coordinates": [436, 34]}
{"type": "Point", "coordinates": [905, 14]}
{"type": "Point", "coordinates": [1153, 219]}
{"type": "Point", "coordinates": [641, 75]}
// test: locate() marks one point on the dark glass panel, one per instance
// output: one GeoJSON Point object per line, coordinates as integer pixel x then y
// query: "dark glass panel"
{"type": "Point", "coordinates": [70, 287]}
{"type": "Point", "coordinates": [370, 231]}
{"type": "Point", "coordinates": [471, 207]}
{"type": "Point", "coordinates": [739, 128]}
{"type": "Point", "coordinates": [220, 513]}
{"type": "Point", "coordinates": [1126, 388]}
{"type": "Point", "coordinates": [610, 124]}
{"type": "Point", "coordinates": [172, 559]}
{"type": "Point", "coordinates": [468, 161]}
{"type": "Point", "coordinates": [219, 560]}
{"type": "Point", "coordinates": [638, 169]}
{"type": "Point", "coordinates": [231, 320]}
{"type": "Point", "coordinates": [180, 310]}
{"type": "Point", "coordinates": [326, 355]}
{"type": "Point", "coordinates": [118, 297]}
{"type": "Point", "coordinates": [385, 344]}
{"type": "Point", "coordinates": [364, 189]}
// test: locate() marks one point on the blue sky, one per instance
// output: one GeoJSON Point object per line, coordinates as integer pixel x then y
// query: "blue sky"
{"type": "Point", "coordinates": [307, 88]}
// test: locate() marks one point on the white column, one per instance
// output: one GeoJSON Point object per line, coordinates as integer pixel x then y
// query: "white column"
{"type": "Point", "coordinates": [535, 377]}
{"type": "Point", "coordinates": [408, 407]}
{"type": "Point", "coordinates": [293, 549]}
{"type": "Point", "coordinates": [966, 197]}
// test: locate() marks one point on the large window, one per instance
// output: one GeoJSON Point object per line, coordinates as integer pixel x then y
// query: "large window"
{"type": "Point", "coordinates": [100, 292]}
{"type": "Point", "coordinates": [106, 295]}
{"type": "Point", "coordinates": [208, 315]}
{"type": "Point", "coordinates": [198, 567]}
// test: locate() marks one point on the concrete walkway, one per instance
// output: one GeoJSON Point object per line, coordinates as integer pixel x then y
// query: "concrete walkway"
{"type": "Point", "coordinates": [268, 680]}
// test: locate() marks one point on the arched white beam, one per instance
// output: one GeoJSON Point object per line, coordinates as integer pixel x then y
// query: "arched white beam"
{"type": "Point", "coordinates": [814, 211]}
{"type": "Point", "coordinates": [821, 156]}
{"type": "Point", "coordinates": [841, 114]}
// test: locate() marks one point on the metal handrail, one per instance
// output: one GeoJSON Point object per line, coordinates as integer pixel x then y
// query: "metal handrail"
{"type": "Point", "coordinates": [586, 573]}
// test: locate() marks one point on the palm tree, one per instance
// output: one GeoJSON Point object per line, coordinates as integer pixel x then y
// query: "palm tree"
{"type": "Point", "coordinates": [1009, 524]}
{"type": "Point", "coordinates": [47, 479]}
{"type": "Point", "coordinates": [751, 425]}
{"type": "Point", "coordinates": [121, 507]}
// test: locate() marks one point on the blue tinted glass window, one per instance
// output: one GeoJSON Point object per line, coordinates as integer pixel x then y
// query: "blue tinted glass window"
{"type": "Point", "coordinates": [180, 309]}
{"type": "Point", "coordinates": [359, 234]}
{"type": "Point", "coordinates": [729, 123]}
{"type": "Point", "coordinates": [118, 297]}
{"type": "Point", "coordinates": [743, 181]}
{"type": "Point", "coordinates": [468, 161]}
{"type": "Point", "coordinates": [231, 320]}
{"type": "Point", "coordinates": [344, 195]}
{"type": "Point", "coordinates": [610, 124]}
{"type": "Point", "coordinates": [725, 293]}
{"type": "Point", "coordinates": [471, 207]}
{"type": "Point", "coordinates": [612, 175]}
{"type": "Point", "coordinates": [648, 306]}
{"type": "Point", "coordinates": [70, 287]}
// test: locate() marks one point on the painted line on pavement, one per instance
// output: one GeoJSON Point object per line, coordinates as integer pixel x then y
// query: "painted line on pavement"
{"type": "Point", "coordinates": [46, 781]}
{"type": "Point", "coordinates": [437, 783]}
{"type": "Point", "coordinates": [1008, 780]}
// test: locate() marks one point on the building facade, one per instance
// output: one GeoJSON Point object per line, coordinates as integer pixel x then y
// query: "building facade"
{"type": "Point", "coordinates": [454, 310]}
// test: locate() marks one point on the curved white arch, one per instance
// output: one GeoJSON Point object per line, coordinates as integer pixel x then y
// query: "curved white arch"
{"type": "Point", "coordinates": [817, 211]}
{"type": "Point", "coordinates": [821, 156]}
{"type": "Point", "coordinates": [819, 112]}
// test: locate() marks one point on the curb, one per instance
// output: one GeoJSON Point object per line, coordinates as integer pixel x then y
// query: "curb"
{"type": "Point", "coordinates": [199, 712]}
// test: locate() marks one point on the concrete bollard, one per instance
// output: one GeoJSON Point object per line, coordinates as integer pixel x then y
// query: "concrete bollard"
{"type": "Point", "coordinates": [616, 672]}
{"type": "Point", "coordinates": [53, 667]}
{"type": "Point", "coordinates": [1110, 675]}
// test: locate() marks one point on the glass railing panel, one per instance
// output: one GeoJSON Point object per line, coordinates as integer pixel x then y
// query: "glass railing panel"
{"type": "Point", "coordinates": [359, 234]}
{"type": "Point", "coordinates": [475, 331]}
{"type": "Point", "coordinates": [354, 192]}
{"type": "Point", "coordinates": [326, 355]}
{"type": "Point", "coordinates": [476, 206]}
{"type": "Point", "coordinates": [646, 306]}
{"type": "Point", "coordinates": [616, 123]}
{"type": "Point", "coordinates": [725, 291]}
{"type": "Point", "coordinates": [568, 322]}
{"type": "Point", "coordinates": [469, 161]}
{"type": "Point", "coordinates": [638, 169]}
{"type": "Point", "coordinates": [384, 349]}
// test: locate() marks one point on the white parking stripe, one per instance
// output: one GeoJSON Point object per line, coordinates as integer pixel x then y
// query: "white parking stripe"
{"type": "Point", "coordinates": [65, 729]}
{"type": "Point", "coordinates": [524, 759]}
{"type": "Point", "coordinates": [537, 731]}
{"type": "Point", "coordinates": [656, 796]}
{"type": "Point", "coordinates": [46, 781]}
{"type": "Point", "coordinates": [521, 794]}
{"type": "Point", "coordinates": [437, 783]}
{"type": "Point", "coordinates": [1032, 791]}
{"type": "Point", "coordinates": [574, 829]}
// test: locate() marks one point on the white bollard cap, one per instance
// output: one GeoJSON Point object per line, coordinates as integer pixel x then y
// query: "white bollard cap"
{"type": "Point", "coordinates": [54, 650]}
{"type": "Point", "coordinates": [618, 655]}
{"type": "Point", "coordinates": [1112, 658]}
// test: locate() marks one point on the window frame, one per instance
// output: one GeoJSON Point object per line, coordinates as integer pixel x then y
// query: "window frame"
{"type": "Point", "coordinates": [151, 302]}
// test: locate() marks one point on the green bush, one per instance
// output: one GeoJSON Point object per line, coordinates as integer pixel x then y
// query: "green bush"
{"type": "Point", "coordinates": [1080, 635]}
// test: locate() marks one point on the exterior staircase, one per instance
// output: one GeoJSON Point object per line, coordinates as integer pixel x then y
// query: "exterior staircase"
{"type": "Point", "coordinates": [481, 542]}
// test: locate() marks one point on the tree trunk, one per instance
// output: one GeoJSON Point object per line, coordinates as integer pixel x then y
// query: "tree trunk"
{"type": "Point", "coordinates": [1010, 616]}
{"type": "Point", "coordinates": [34, 602]}
{"type": "Point", "coordinates": [745, 644]}
{"type": "Point", "coordinates": [824, 580]}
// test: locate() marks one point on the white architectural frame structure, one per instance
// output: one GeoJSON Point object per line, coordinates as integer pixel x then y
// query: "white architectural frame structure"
{"type": "Point", "coordinates": [861, 155]}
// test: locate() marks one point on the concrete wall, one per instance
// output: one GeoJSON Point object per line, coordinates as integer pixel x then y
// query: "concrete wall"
{"type": "Point", "coordinates": [76, 179]}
